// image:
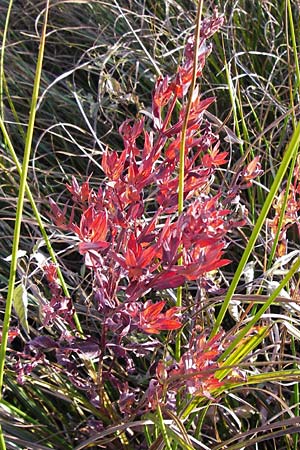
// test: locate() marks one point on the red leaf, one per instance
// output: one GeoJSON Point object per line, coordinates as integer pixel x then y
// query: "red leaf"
{"type": "Point", "coordinates": [99, 227]}
{"type": "Point", "coordinates": [152, 321]}
{"type": "Point", "coordinates": [152, 311]}
{"type": "Point", "coordinates": [167, 280]}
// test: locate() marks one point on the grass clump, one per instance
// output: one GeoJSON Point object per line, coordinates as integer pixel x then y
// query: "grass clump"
{"type": "Point", "coordinates": [156, 264]}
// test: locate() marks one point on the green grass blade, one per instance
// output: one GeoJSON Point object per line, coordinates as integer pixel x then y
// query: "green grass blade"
{"type": "Point", "coordinates": [241, 351]}
{"type": "Point", "coordinates": [182, 151]}
{"type": "Point", "coordinates": [232, 95]}
{"type": "Point", "coordinates": [17, 228]}
{"type": "Point", "coordinates": [163, 429]}
{"type": "Point", "coordinates": [38, 219]}
{"type": "Point", "coordinates": [283, 210]}
{"type": "Point", "coordinates": [295, 50]}
{"type": "Point", "coordinates": [4, 35]}
{"type": "Point", "coordinates": [290, 151]}
{"type": "Point", "coordinates": [261, 311]}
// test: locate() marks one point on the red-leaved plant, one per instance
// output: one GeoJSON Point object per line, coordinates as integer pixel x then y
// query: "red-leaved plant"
{"type": "Point", "coordinates": [131, 238]}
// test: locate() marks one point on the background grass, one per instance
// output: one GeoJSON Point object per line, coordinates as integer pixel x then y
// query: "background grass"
{"type": "Point", "coordinates": [101, 61]}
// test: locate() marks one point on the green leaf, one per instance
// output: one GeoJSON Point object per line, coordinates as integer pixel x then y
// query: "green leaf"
{"type": "Point", "coordinates": [20, 302]}
{"type": "Point", "coordinates": [243, 349]}
{"type": "Point", "coordinates": [292, 147]}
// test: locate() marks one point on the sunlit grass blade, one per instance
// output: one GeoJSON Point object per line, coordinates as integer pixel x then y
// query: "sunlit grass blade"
{"type": "Point", "coordinates": [243, 349]}
{"type": "Point", "coordinates": [295, 49]}
{"type": "Point", "coordinates": [18, 221]}
{"type": "Point", "coordinates": [238, 339]}
{"type": "Point", "coordinates": [38, 218]}
{"type": "Point", "coordinates": [182, 150]}
{"type": "Point", "coordinates": [2, 54]}
{"type": "Point", "coordinates": [292, 148]}
{"type": "Point", "coordinates": [163, 429]}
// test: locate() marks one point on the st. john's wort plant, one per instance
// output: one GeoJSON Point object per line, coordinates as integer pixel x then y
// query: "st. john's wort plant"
{"type": "Point", "coordinates": [131, 238]}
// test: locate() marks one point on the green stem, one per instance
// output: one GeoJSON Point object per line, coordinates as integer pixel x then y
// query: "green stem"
{"type": "Point", "coordinates": [294, 92]}
{"type": "Point", "coordinates": [39, 220]}
{"type": "Point", "coordinates": [295, 48]}
{"type": "Point", "coordinates": [291, 149]}
{"type": "Point", "coordinates": [17, 229]}
{"type": "Point", "coordinates": [163, 429]}
{"type": "Point", "coordinates": [282, 211]}
{"type": "Point", "coordinates": [2, 57]}
{"type": "Point", "coordinates": [237, 341]}
{"type": "Point", "coordinates": [182, 151]}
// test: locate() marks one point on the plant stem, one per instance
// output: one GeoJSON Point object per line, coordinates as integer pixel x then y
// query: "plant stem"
{"type": "Point", "coordinates": [182, 151]}
{"type": "Point", "coordinates": [17, 229]}
{"type": "Point", "coordinates": [237, 340]}
{"type": "Point", "coordinates": [2, 57]}
{"type": "Point", "coordinates": [290, 151]}
{"type": "Point", "coordinates": [39, 220]}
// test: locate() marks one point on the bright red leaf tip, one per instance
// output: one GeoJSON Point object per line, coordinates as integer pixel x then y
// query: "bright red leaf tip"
{"type": "Point", "coordinates": [92, 231]}
{"type": "Point", "coordinates": [152, 320]}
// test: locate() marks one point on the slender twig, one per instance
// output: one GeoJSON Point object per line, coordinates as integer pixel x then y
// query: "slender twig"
{"type": "Point", "coordinates": [291, 149]}
{"type": "Point", "coordinates": [2, 57]}
{"type": "Point", "coordinates": [182, 147]}
{"type": "Point", "coordinates": [17, 229]}
{"type": "Point", "coordinates": [38, 219]}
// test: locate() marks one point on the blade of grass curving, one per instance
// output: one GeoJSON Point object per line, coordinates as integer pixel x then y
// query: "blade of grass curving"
{"type": "Point", "coordinates": [292, 148]}
{"type": "Point", "coordinates": [179, 441]}
{"type": "Point", "coordinates": [17, 229]}
{"type": "Point", "coordinates": [237, 341]}
{"type": "Point", "coordinates": [232, 96]}
{"type": "Point", "coordinates": [241, 351]}
{"type": "Point", "coordinates": [180, 426]}
{"type": "Point", "coordinates": [288, 426]}
{"type": "Point", "coordinates": [182, 151]}
{"type": "Point", "coordinates": [39, 220]}
{"type": "Point", "coordinates": [294, 159]}
{"type": "Point", "coordinates": [163, 429]}
{"type": "Point", "coordinates": [295, 49]}
{"type": "Point", "coordinates": [280, 375]}
{"type": "Point", "coordinates": [265, 377]}
{"type": "Point", "coordinates": [13, 109]}
{"type": "Point", "coordinates": [238, 354]}
{"type": "Point", "coordinates": [179, 438]}
{"type": "Point", "coordinates": [2, 56]}
{"type": "Point", "coordinates": [294, 92]}
{"type": "Point", "coordinates": [95, 439]}
{"type": "Point", "coordinates": [282, 211]}
{"type": "Point", "coordinates": [155, 66]}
